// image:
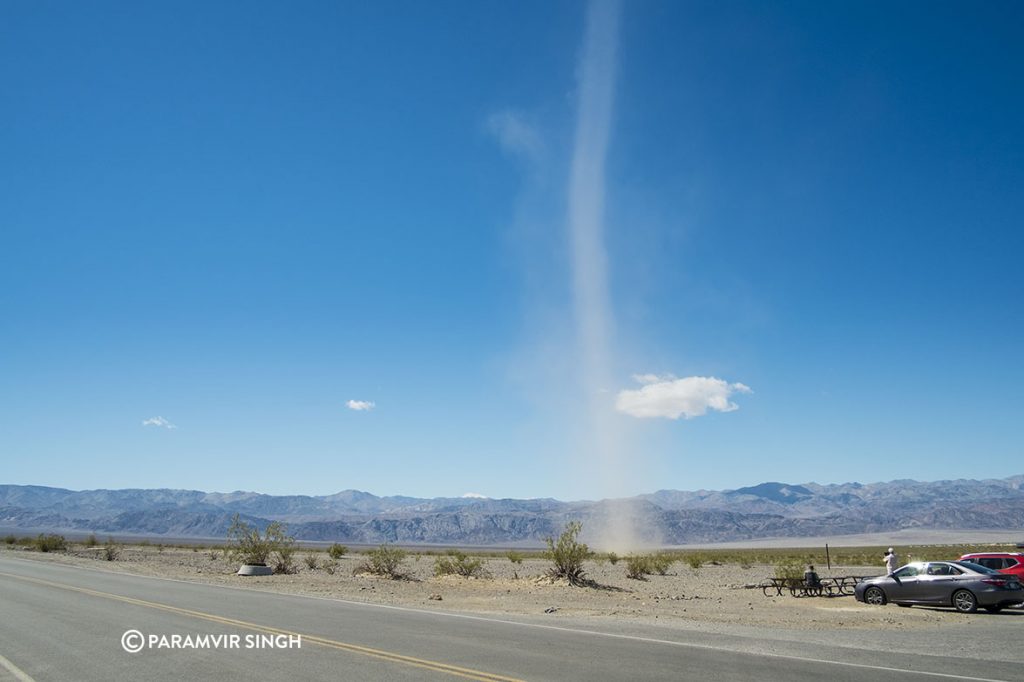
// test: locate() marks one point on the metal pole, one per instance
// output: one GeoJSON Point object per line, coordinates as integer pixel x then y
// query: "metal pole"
{"type": "Point", "coordinates": [828, 559]}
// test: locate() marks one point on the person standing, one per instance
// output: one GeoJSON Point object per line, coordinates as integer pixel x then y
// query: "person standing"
{"type": "Point", "coordinates": [892, 562]}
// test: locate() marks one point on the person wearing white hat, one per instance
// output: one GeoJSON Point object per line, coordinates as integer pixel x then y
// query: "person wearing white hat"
{"type": "Point", "coordinates": [891, 561]}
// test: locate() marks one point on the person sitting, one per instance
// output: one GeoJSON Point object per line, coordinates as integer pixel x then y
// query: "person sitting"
{"type": "Point", "coordinates": [811, 578]}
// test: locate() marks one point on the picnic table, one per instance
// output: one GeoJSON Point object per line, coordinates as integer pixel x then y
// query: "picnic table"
{"type": "Point", "coordinates": [835, 586]}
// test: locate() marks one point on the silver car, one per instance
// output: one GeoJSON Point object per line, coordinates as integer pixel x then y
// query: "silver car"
{"type": "Point", "coordinates": [960, 584]}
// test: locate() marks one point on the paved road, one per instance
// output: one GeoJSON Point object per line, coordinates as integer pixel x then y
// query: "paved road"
{"type": "Point", "coordinates": [64, 623]}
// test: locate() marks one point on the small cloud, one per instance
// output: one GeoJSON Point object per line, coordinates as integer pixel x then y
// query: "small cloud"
{"type": "Point", "coordinates": [476, 496]}
{"type": "Point", "coordinates": [515, 135]}
{"type": "Point", "coordinates": [672, 398]}
{"type": "Point", "coordinates": [360, 405]}
{"type": "Point", "coordinates": [158, 421]}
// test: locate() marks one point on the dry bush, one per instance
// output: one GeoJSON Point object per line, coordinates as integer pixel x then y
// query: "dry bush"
{"type": "Point", "coordinates": [790, 568]}
{"type": "Point", "coordinates": [459, 563]}
{"type": "Point", "coordinates": [384, 561]}
{"type": "Point", "coordinates": [252, 547]}
{"type": "Point", "coordinates": [660, 563]}
{"type": "Point", "coordinates": [284, 558]}
{"type": "Point", "coordinates": [51, 543]}
{"type": "Point", "coordinates": [637, 566]}
{"type": "Point", "coordinates": [568, 554]}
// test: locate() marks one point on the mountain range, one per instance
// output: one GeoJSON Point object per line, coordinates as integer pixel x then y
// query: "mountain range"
{"type": "Point", "coordinates": [666, 517]}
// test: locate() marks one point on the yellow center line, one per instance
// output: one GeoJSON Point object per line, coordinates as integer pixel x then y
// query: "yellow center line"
{"type": "Point", "coordinates": [322, 641]}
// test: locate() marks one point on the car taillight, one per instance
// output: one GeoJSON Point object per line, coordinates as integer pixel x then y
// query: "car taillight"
{"type": "Point", "coordinates": [998, 582]}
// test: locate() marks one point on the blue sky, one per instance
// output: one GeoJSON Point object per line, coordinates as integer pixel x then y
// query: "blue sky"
{"type": "Point", "coordinates": [240, 217]}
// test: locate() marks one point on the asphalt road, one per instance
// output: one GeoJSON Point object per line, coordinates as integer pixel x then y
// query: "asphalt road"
{"type": "Point", "coordinates": [65, 623]}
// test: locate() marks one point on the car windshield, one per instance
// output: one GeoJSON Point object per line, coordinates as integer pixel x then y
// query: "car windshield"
{"type": "Point", "coordinates": [977, 568]}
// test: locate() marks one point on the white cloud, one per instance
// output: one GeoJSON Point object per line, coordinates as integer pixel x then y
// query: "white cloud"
{"type": "Point", "coordinates": [360, 405]}
{"type": "Point", "coordinates": [672, 398]}
{"type": "Point", "coordinates": [515, 135]}
{"type": "Point", "coordinates": [476, 496]}
{"type": "Point", "coordinates": [158, 421]}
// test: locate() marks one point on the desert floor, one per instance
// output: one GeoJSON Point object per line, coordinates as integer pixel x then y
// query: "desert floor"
{"type": "Point", "coordinates": [711, 597]}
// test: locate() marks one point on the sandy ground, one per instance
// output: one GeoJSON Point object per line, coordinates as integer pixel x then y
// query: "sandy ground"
{"type": "Point", "coordinates": [712, 595]}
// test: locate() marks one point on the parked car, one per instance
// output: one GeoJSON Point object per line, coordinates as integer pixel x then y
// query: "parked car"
{"type": "Point", "coordinates": [961, 584]}
{"type": "Point", "coordinates": [1004, 562]}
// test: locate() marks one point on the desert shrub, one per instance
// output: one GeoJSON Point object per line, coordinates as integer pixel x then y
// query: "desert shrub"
{"type": "Point", "coordinates": [51, 543]}
{"type": "Point", "coordinates": [695, 561]}
{"type": "Point", "coordinates": [568, 554]}
{"type": "Point", "coordinates": [10, 539]}
{"type": "Point", "coordinates": [284, 562]}
{"type": "Point", "coordinates": [284, 557]}
{"type": "Point", "coordinates": [252, 547]}
{"type": "Point", "coordinates": [637, 566]}
{"type": "Point", "coordinates": [745, 564]}
{"type": "Point", "coordinates": [91, 541]}
{"type": "Point", "coordinates": [660, 563]}
{"type": "Point", "coordinates": [111, 550]}
{"type": "Point", "coordinates": [613, 558]}
{"type": "Point", "coordinates": [384, 561]}
{"type": "Point", "coordinates": [337, 551]}
{"type": "Point", "coordinates": [249, 545]}
{"type": "Point", "coordinates": [517, 560]}
{"type": "Point", "coordinates": [791, 568]}
{"type": "Point", "coordinates": [459, 563]}
{"type": "Point", "coordinates": [330, 567]}
{"type": "Point", "coordinates": [312, 562]}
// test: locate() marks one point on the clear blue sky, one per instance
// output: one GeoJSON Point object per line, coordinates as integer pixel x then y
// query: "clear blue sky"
{"type": "Point", "coordinates": [240, 216]}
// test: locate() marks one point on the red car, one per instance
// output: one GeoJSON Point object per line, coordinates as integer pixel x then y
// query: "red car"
{"type": "Point", "coordinates": [1004, 562]}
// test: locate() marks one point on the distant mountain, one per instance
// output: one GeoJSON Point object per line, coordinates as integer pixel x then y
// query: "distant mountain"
{"type": "Point", "coordinates": [768, 510]}
{"type": "Point", "coordinates": [776, 492]}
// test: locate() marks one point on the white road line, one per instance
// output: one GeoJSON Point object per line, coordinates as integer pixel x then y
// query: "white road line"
{"type": "Point", "coordinates": [18, 673]}
{"type": "Point", "coordinates": [598, 633]}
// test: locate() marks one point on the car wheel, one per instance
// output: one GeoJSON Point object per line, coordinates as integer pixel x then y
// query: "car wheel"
{"type": "Point", "coordinates": [994, 608]}
{"type": "Point", "coordinates": [965, 602]}
{"type": "Point", "coordinates": [875, 596]}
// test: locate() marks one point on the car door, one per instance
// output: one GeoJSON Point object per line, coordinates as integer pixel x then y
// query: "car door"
{"type": "Point", "coordinates": [936, 583]}
{"type": "Point", "coordinates": [1013, 566]}
{"type": "Point", "coordinates": [902, 584]}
